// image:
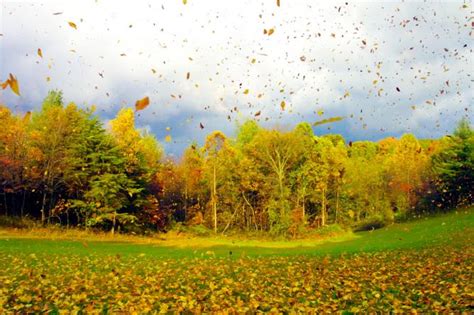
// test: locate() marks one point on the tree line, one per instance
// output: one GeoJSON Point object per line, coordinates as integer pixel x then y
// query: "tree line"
{"type": "Point", "coordinates": [62, 165]}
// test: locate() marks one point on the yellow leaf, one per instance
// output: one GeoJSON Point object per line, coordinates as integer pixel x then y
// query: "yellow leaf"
{"type": "Point", "coordinates": [142, 104]}
{"type": "Point", "coordinates": [40, 53]}
{"type": "Point", "coordinates": [168, 138]}
{"type": "Point", "coordinates": [271, 31]}
{"type": "Point", "coordinates": [320, 112]}
{"type": "Point", "coordinates": [347, 94]}
{"type": "Point", "coordinates": [13, 82]}
{"type": "Point", "coordinates": [278, 3]}
{"type": "Point", "coordinates": [254, 60]}
{"type": "Point", "coordinates": [73, 25]}
{"type": "Point", "coordinates": [329, 120]}
{"type": "Point", "coordinates": [246, 91]}
{"type": "Point", "coordinates": [185, 1]}
{"type": "Point", "coordinates": [375, 82]}
{"type": "Point", "coordinates": [282, 105]}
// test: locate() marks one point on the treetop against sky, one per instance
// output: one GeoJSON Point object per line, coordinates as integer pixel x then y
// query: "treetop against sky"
{"type": "Point", "coordinates": [372, 69]}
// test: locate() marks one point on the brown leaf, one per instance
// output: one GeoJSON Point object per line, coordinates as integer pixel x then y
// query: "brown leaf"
{"type": "Point", "coordinates": [282, 105]}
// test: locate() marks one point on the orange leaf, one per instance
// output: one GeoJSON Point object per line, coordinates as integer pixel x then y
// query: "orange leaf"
{"type": "Point", "coordinates": [282, 105]}
{"type": "Point", "coordinates": [142, 104]}
{"type": "Point", "coordinates": [40, 53]}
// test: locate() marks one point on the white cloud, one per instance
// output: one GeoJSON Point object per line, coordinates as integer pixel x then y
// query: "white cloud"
{"type": "Point", "coordinates": [317, 53]}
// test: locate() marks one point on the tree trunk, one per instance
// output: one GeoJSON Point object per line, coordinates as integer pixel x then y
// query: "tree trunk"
{"type": "Point", "coordinates": [323, 208]}
{"type": "Point", "coordinates": [337, 201]}
{"type": "Point", "coordinates": [23, 204]}
{"type": "Point", "coordinates": [113, 223]}
{"type": "Point", "coordinates": [43, 216]}
{"type": "Point", "coordinates": [214, 195]}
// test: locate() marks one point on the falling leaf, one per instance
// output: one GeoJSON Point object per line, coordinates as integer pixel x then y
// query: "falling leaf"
{"type": "Point", "coordinates": [153, 70]}
{"type": "Point", "coordinates": [73, 25]}
{"type": "Point", "coordinates": [40, 53]}
{"type": "Point", "coordinates": [375, 82]}
{"type": "Point", "coordinates": [168, 138]}
{"type": "Point", "coordinates": [282, 105]}
{"type": "Point", "coordinates": [185, 1]}
{"type": "Point", "coordinates": [278, 3]}
{"type": "Point", "coordinates": [188, 75]}
{"type": "Point", "coordinates": [142, 104]}
{"type": "Point", "coordinates": [201, 126]}
{"type": "Point", "coordinates": [398, 89]}
{"type": "Point", "coordinates": [347, 94]}
{"type": "Point", "coordinates": [257, 113]}
{"type": "Point", "coordinates": [253, 60]}
{"type": "Point", "coordinates": [328, 120]}
{"type": "Point", "coordinates": [271, 31]}
{"type": "Point", "coordinates": [320, 112]}
{"type": "Point", "coordinates": [246, 91]}
{"type": "Point", "coordinates": [13, 83]}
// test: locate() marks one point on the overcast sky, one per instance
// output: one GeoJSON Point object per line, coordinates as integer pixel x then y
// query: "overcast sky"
{"type": "Point", "coordinates": [388, 67]}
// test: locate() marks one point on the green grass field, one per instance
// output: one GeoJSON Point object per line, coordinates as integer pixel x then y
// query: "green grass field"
{"type": "Point", "coordinates": [423, 264]}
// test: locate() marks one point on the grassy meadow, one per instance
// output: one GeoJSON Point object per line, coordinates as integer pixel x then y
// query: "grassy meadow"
{"type": "Point", "coordinates": [424, 264]}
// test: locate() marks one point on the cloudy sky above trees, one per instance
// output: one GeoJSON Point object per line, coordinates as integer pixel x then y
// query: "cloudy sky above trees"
{"type": "Point", "coordinates": [387, 67]}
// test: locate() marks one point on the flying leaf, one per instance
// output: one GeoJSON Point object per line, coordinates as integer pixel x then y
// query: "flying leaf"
{"type": "Point", "coordinates": [73, 25]}
{"type": "Point", "coordinates": [347, 94]}
{"type": "Point", "coordinates": [201, 126]}
{"type": "Point", "coordinates": [271, 31]}
{"type": "Point", "coordinates": [188, 75]}
{"type": "Point", "coordinates": [328, 120]}
{"type": "Point", "coordinates": [246, 91]}
{"type": "Point", "coordinates": [278, 3]}
{"type": "Point", "coordinates": [168, 138]}
{"type": "Point", "coordinates": [13, 83]}
{"type": "Point", "coordinates": [142, 104]}
{"type": "Point", "coordinates": [257, 113]}
{"type": "Point", "coordinates": [185, 1]}
{"type": "Point", "coordinates": [40, 53]}
{"type": "Point", "coordinates": [282, 105]}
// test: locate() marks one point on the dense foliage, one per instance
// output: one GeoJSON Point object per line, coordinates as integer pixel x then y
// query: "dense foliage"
{"type": "Point", "coordinates": [61, 165]}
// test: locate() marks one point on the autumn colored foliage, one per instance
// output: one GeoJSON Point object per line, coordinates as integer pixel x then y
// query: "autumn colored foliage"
{"type": "Point", "coordinates": [62, 165]}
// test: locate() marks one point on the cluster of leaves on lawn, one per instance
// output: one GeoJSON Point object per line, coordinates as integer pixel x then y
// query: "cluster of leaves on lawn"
{"type": "Point", "coordinates": [435, 279]}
